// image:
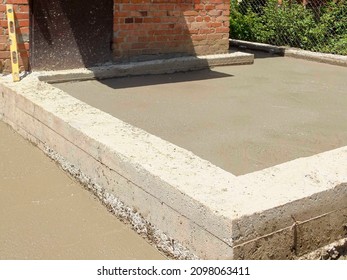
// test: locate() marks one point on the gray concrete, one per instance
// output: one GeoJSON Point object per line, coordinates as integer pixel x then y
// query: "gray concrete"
{"type": "Point", "coordinates": [281, 212]}
{"type": "Point", "coordinates": [280, 50]}
{"type": "Point", "coordinates": [334, 59]}
{"type": "Point", "coordinates": [240, 118]}
{"type": "Point", "coordinates": [159, 66]}
{"type": "Point", "coordinates": [45, 214]}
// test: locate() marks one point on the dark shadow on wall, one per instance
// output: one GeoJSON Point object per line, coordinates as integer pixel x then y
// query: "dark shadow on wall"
{"type": "Point", "coordinates": [68, 34]}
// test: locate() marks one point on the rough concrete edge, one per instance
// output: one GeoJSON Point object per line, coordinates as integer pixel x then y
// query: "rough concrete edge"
{"type": "Point", "coordinates": [293, 213]}
{"type": "Point", "coordinates": [334, 59]}
{"type": "Point", "coordinates": [170, 247]}
{"type": "Point", "coordinates": [297, 239]}
{"type": "Point", "coordinates": [159, 66]}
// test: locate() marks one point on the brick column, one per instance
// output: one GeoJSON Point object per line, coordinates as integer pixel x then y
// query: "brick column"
{"type": "Point", "coordinates": [21, 8]}
{"type": "Point", "coordinates": [208, 24]}
{"type": "Point", "coordinates": [152, 27]}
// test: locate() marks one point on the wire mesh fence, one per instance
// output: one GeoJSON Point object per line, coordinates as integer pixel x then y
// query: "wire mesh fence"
{"type": "Point", "coordinates": [315, 25]}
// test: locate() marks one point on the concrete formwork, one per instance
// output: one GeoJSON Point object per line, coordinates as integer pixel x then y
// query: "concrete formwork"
{"type": "Point", "coordinates": [280, 212]}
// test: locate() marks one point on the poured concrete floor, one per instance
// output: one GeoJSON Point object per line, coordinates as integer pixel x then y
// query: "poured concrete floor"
{"type": "Point", "coordinates": [241, 118]}
{"type": "Point", "coordinates": [45, 214]}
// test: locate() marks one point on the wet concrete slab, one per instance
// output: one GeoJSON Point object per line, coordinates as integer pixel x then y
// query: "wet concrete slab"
{"type": "Point", "coordinates": [45, 214]}
{"type": "Point", "coordinates": [186, 203]}
{"type": "Point", "coordinates": [240, 118]}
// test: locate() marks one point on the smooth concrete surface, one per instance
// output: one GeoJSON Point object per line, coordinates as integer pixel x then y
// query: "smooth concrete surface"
{"type": "Point", "coordinates": [158, 66]}
{"type": "Point", "coordinates": [240, 118]}
{"type": "Point", "coordinates": [45, 214]}
{"type": "Point", "coordinates": [281, 212]}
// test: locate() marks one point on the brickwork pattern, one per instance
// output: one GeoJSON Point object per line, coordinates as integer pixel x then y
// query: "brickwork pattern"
{"type": "Point", "coordinates": [170, 26]}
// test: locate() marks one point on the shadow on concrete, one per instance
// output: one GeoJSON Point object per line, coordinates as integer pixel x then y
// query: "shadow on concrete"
{"type": "Point", "coordinates": [149, 80]}
{"type": "Point", "coordinates": [258, 54]}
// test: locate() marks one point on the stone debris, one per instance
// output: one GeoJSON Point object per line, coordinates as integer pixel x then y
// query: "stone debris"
{"type": "Point", "coordinates": [333, 251]}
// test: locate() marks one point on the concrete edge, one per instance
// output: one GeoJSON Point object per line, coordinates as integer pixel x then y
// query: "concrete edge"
{"type": "Point", "coordinates": [334, 59]}
{"type": "Point", "coordinates": [257, 46]}
{"type": "Point", "coordinates": [304, 231]}
{"type": "Point", "coordinates": [159, 66]}
{"type": "Point", "coordinates": [209, 212]}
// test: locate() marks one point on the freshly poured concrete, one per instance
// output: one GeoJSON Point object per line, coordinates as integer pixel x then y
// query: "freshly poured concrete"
{"type": "Point", "coordinates": [44, 214]}
{"type": "Point", "coordinates": [241, 118]}
{"type": "Point", "coordinates": [281, 212]}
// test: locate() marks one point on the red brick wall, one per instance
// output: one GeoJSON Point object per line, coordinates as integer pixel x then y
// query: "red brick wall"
{"type": "Point", "coordinates": [141, 27]}
{"type": "Point", "coordinates": [21, 8]}
{"type": "Point", "coordinates": [170, 26]}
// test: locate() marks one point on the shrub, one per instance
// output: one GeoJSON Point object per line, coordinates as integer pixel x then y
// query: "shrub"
{"type": "Point", "coordinates": [287, 25]}
{"type": "Point", "coordinates": [336, 46]}
{"type": "Point", "coordinates": [242, 25]}
{"type": "Point", "coordinates": [291, 24]}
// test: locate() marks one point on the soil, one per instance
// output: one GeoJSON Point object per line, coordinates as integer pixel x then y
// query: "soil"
{"type": "Point", "coordinates": [46, 214]}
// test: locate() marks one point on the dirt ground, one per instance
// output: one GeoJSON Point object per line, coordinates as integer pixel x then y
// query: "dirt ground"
{"type": "Point", "coordinates": [45, 214]}
{"type": "Point", "coordinates": [241, 118]}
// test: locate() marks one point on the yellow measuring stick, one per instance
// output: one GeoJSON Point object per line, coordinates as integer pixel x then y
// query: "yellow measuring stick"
{"type": "Point", "coordinates": [13, 40]}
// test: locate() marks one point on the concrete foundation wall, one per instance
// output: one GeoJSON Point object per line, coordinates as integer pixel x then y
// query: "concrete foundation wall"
{"type": "Point", "coordinates": [282, 212]}
{"type": "Point", "coordinates": [157, 200]}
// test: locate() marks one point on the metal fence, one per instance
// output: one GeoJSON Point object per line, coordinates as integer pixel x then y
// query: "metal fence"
{"type": "Point", "coordinates": [316, 25]}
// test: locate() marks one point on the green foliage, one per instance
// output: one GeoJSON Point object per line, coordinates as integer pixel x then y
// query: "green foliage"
{"type": "Point", "coordinates": [242, 25]}
{"type": "Point", "coordinates": [284, 25]}
{"type": "Point", "coordinates": [317, 29]}
{"type": "Point", "coordinates": [336, 46]}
